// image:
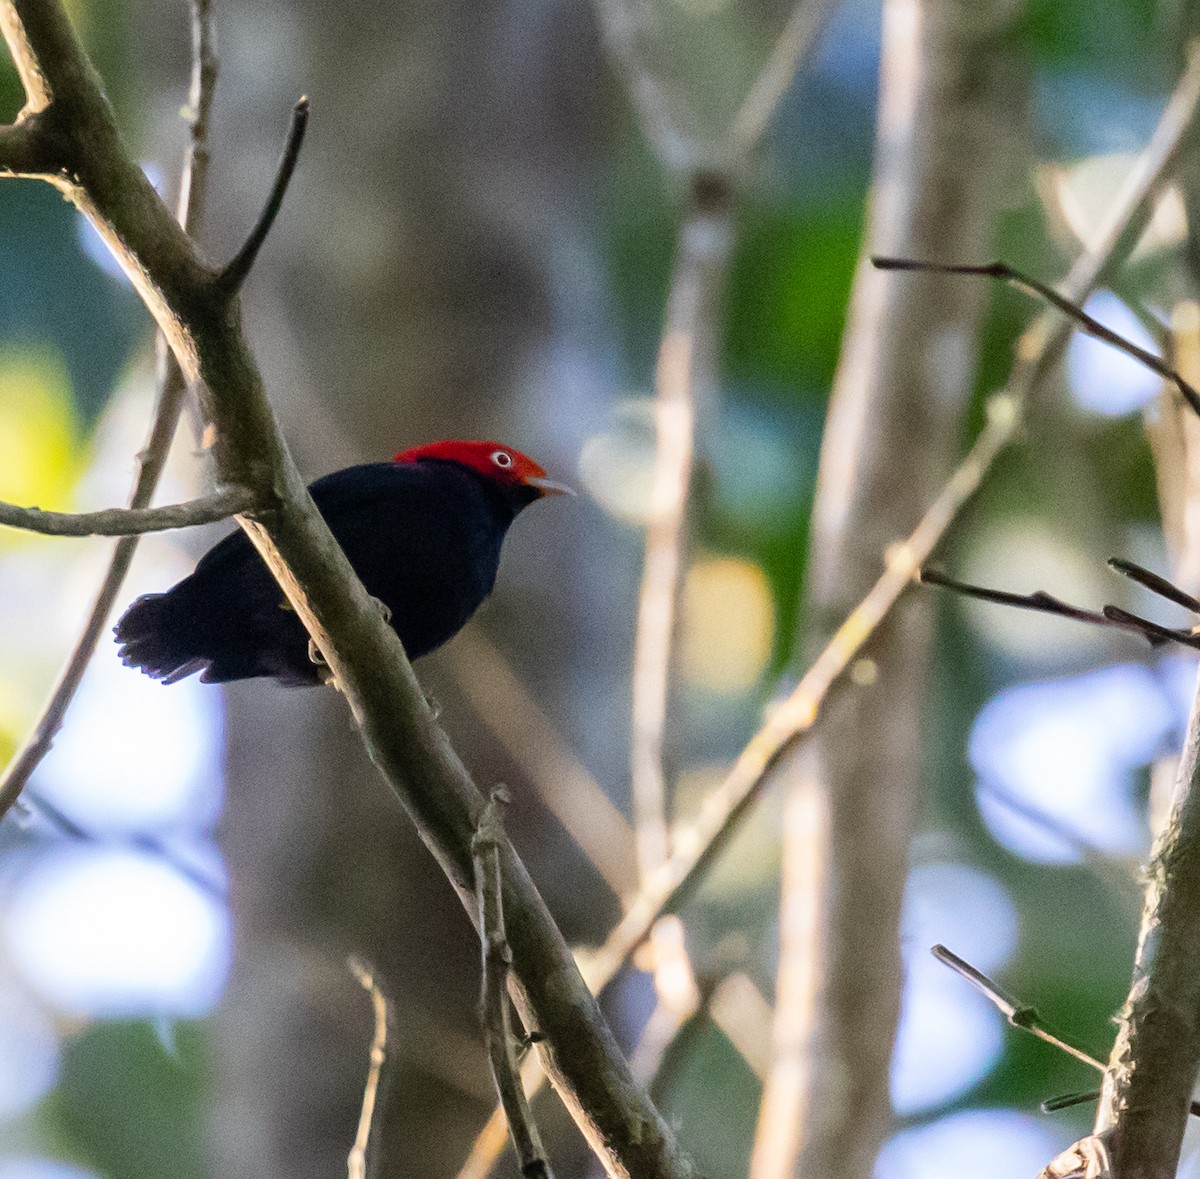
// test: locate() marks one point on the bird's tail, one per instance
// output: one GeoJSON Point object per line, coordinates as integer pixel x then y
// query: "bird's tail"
{"type": "Point", "coordinates": [154, 634]}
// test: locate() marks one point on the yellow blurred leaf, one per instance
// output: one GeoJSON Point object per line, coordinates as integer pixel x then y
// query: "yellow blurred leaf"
{"type": "Point", "coordinates": [728, 625]}
{"type": "Point", "coordinates": [39, 432]}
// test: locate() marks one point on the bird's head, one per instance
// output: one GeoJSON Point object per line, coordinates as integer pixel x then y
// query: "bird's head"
{"type": "Point", "coordinates": [515, 474]}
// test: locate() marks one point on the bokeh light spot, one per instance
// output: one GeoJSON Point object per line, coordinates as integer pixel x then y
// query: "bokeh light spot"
{"type": "Point", "coordinates": [982, 1143]}
{"type": "Point", "coordinates": [107, 778]}
{"type": "Point", "coordinates": [38, 432]}
{"type": "Point", "coordinates": [1055, 761]}
{"type": "Point", "coordinates": [28, 1052]}
{"type": "Point", "coordinates": [728, 625]}
{"type": "Point", "coordinates": [113, 933]}
{"type": "Point", "coordinates": [1103, 379]}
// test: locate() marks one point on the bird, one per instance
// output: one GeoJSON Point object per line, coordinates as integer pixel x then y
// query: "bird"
{"type": "Point", "coordinates": [423, 532]}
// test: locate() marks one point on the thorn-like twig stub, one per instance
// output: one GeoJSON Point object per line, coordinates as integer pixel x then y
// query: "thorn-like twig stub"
{"type": "Point", "coordinates": [1067, 1100]}
{"type": "Point", "coordinates": [231, 278]}
{"type": "Point", "coordinates": [1087, 323]}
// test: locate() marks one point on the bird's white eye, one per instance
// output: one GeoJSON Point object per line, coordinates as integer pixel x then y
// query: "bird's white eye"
{"type": "Point", "coordinates": [502, 458]}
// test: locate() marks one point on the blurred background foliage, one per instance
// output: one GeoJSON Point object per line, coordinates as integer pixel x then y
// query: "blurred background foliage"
{"type": "Point", "coordinates": [478, 244]}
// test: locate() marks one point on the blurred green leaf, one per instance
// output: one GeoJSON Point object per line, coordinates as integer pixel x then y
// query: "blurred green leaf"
{"type": "Point", "coordinates": [128, 1107]}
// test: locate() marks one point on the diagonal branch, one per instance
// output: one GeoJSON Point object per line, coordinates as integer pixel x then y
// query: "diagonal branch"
{"type": "Point", "coordinates": [1155, 583]}
{"type": "Point", "coordinates": [209, 509]}
{"type": "Point", "coordinates": [1088, 323]}
{"type": "Point", "coordinates": [201, 321]}
{"type": "Point", "coordinates": [1038, 349]}
{"type": "Point", "coordinates": [1019, 1015]}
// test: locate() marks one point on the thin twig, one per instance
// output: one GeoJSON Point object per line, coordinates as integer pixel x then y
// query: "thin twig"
{"type": "Point", "coordinates": [685, 376]}
{"type": "Point", "coordinates": [790, 48]}
{"type": "Point", "coordinates": [1018, 1014]}
{"type": "Point", "coordinates": [1026, 1019]}
{"type": "Point", "coordinates": [1112, 617]}
{"type": "Point", "coordinates": [1068, 1101]}
{"type": "Point", "coordinates": [1088, 323]}
{"type": "Point", "coordinates": [1155, 583]}
{"type": "Point", "coordinates": [234, 275]}
{"type": "Point", "coordinates": [410, 749]}
{"type": "Point", "coordinates": [493, 1002]}
{"type": "Point", "coordinates": [358, 1160]}
{"type": "Point", "coordinates": [169, 400]}
{"type": "Point", "coordinates": [208, 509]}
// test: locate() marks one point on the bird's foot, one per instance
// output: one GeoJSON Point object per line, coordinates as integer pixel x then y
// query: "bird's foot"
{"type": "Point", "coordinates": [325, 674]}
{"type": "Point", "coordinates": [384, 609]}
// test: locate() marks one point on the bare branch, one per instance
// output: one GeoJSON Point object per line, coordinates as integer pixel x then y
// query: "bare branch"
{"type": "Point", "coordinates": [209, 509]}
{"type": "Point", "coordinates": [798, 37]}
{"type": "Point", "coordinates": [790, 720]}
{"type": "Point", "coordinates": [1068, 1100]}
{"type": "Point", "coordinates": [357, 1162]}
{"type": "Point", "coordinates": [1088, 323]}
{"type": "Point", "coordinates": [1156, 584]}
{"type": "Point", "coordinates": [232, 277]}
{"type": "Point", "coordinates": [1018, 1014]}
{"type": "Point", "coordinates": [493, 1003]}
{"type": "Point", "coordinates": [686, 376]}
{"type": "Point", "coordinates": [169, 404]}
{"type": "Point", "coordinates": [1112, 617]}
{"type": "Point", "coordinates": [362, 652]}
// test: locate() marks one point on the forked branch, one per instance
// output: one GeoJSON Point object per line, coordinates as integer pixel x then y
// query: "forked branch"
{"type": "Point", "coordinates": [201, 322]}
{"type": "Point", "coordinates": [1089, 323]}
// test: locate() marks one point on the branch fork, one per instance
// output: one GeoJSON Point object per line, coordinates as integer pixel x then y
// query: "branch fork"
{"type": "Point", "coordinates": [200, 320]}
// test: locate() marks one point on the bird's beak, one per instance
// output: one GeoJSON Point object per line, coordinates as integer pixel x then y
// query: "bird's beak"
{"type": "Point", "coordinates": [549, 487]}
